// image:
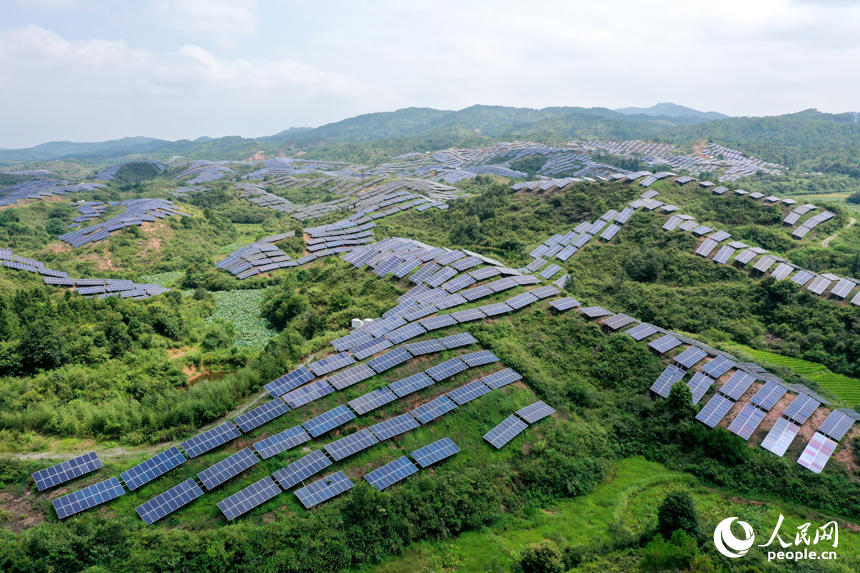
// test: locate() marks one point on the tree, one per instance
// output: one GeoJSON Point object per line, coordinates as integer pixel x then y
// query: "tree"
{"type": "Point", "coordinates": [646, 266]}
{"type": "Point", "coordinates": [675, 555]}
{"type": "Point", "coordinates": [42, 346]}
{"type": "Point", "coordinates": [543, 557]}
{"type": "Point", "coordinates": [680, 403]}
{"type": "Point", "coordinates": [678, 512]}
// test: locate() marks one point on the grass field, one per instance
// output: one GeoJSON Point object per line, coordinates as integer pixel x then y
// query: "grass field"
{"type": "Point", "coordinates": [241, 308]}
{"type": "Point", "coordinates": [846, 388]}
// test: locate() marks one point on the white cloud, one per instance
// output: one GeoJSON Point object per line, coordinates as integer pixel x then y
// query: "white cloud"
{"type": "Point", "coordinates": [81, 89]}
{"type": "Point", "coordinates": [222, 20]}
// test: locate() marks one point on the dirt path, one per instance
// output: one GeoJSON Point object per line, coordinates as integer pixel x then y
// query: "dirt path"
{"type": "Point", "coordinates": [826, 241]}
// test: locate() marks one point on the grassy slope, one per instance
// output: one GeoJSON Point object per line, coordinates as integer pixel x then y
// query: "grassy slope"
{"type": "Point", "coordinates": [630, 495]}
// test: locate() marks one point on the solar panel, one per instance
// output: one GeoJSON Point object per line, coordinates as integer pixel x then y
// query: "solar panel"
{"type": "Point", "coordinates": [370, 348]}
{"type": "Point", "coordinates": [802, 277]}
{"type": "Point", "coordinates": [468, 392]}
{"type": "Point", "coordinates": [433, 409]}
{"type": "Point", "coordinates": [747, 421]}
{"type": "Point", "coordinates": [262, 414]}
{"type": "Point", "coordinates": [68, 470]}
{"type": "Point", "coordinates": [302, 469]}
{"type": "Point", "coordinates": [324, 489]}
{"type": "Point", "coordinates": [468, 315]}
{"type": "Point", "coordinates": [435, 452]}
{"type": "Point", "coordinates": [391, 473]}
{"type": "Point", "coordinates": [690, 357]}
{"type": "Point", "coordinates": [351, 376]}
{"type": "Point", "coordinates": [535, 264]}
{"type": "Point", "coordinates": [781, 272]}
{"type": "Point", "coordinates": [718, 366]}
{"type": "Point", "coordinates": [819, 285]}
{"type": "Point", "coordinates": [563, 304]}
{"type": "Point", "coordinates": [411, 384]}
{"type": "Point", "coordinates": [843, 288]}
{"type": "Point", "coordinates": [550, 271]}
{"type": "Point", "coordinates": [720, 236]}
{"type": "Point", "coordinates": [699, 385]}
{"type": "Point", "coordinates": [535, 412]}
{"type": "Point", "coordinates": [664, 343]}
{"type": "Point", "coordinates": [210, 439]}
{"type": "Point", "coordinates": [389, 360]}
{"type": "Point", "coordinates": [724, 254]}
{"type": "Point", "coordinates": [458, 340]}
{"type": "Point", "coordinates": [394, 426]}
{"type": "Point", "coordinates": [247, 499]}
{"type": "Point", "coordinates": [476, 293]}
{"type": "Point", "coordinates": [768, 395]}
{"type": "Point", "coordinates": [780, 436]}
{"type": "Point", "coordinates": [505, 432]}
{"type": "Point", "coordinates": [281, 442]}
{"type": "Point", "coordinates": [801, 408]}
{"type": "Point", "coordinates": [352, 444]}
{"type": "Point", "coordinates": [525, 280]}
{"type": "Point", "coordinates": [545, 291]}
{"type": "Point", "coordinates": [88, 497]}
{"type": "Point", "coordinates": [424, 347]}
{"type": "Point", "coordinates": [739, 383]}
{"type": "Point", "coordinates": [169, 501]}
{"type": "Point", "coordinates": [479, 358]}
{"type": "Point", "coordinates": [618, 321]}
{"type": "Point", "coordinates": [817, 452]}
{"type": "Point", "coordinates": [372, 400]}
{"type": "Point", "coordinates": [501, 378]}
{"type": "Point", "coordinates": [331, 363]}
{"type": "Point", "coordinates": [217, 474]}
{"type": "Point", "coordinates": [595, 311]}
{"type": "Point", "coordinates": [437, 322]}
{"type": "Point", "coordinates": [706, 247]}
{"type": "Point", "coordinates": [836, 425]}
{"type": "Point", "coordinates": [289, 382]}
{"type": "Point", "coordinates": [155, 466]}
{"type": "Point", "coordinates": [328, 421]}
{"type": "Point", "coordinates": [446, 369]}
{"type": "Point", "coordinates": [405, 333]}
{"type": "Point", "coordinates": [714, 411]}
{"type": "Point", "coordinates": [663, 385]}
{"type": "Point", "coordinates": [307, 394]}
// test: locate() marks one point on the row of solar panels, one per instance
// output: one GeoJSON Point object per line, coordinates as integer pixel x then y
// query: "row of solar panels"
{"type": "Point", "coordinates": [780, 436]}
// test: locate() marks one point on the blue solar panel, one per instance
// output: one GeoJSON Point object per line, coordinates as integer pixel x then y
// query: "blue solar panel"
{"type": "Point", "coordinates": [433, 409]}
{"type": "Point", "coordinates": [505, 432]}
{"type": "Point", "coordinates": [328, 421]}
{"type": "Point", "coordinates": [65, 471]}
{"type": "Point", "coordinates": [331, 363]}
{"type": "Point", "coordinates": [354, 375]}
{"type": "Point", "coordinates": [458, 340]}
{"type": "Point", "coordinates": [262, 414]}
{"type": "Point", "coordinates": [352, 444]}
{"type": "Point", "coordinates": [324, 489]}
{"type": "Point", "coordinates": [411, 384]}
{"type": "Point", "coordinates": [502, 378]}
{"type": "Point", "coordinates": [281, 442]}
{"type": "Point", "coordinates": [446, 369]}
{"type": "Point", "coordinates": [289, 382]}
{"type": "Point", "coordinates": [155, 466]}
{"type": "Point", "coordinates": [169, 501]}
{"type": "Point", "coordinates": [535, 412]}
{"type": "Point", "coordinates": [405, 333]}
{"type": "Point", "coordinates": [218, 473]}
{"type": "Point", "coordinates": [391, 473]}
{"type": "Point", "coordinates": [371, 347]}
{"type": "Point", "coordinates": [394, 426]}
{"type": "Point", "coordinates": [479, 358]}
{"type": "Point", "coordinates": [88, 497]}
{"type": "Point", "coordinates": [435, 322]}
{"type": "Point", "coordinates": [389, 359]}
{"type": "Point", "coordinates": [372, 400]}
{"type": "Point", "coordinates": [437, 451]}
{"type": "Point", "coordinates": [210, 439]}
{"type": "Point", "coordinates": [308, 394]}
{"type": "Point", "coordinates": [302, 469]}
{"type": "Point", "coordinates": [469, 392]}
{"type": "Point", "coordinates": [252, 496]}
{"type": "Point", "coordinates": [424, 347]}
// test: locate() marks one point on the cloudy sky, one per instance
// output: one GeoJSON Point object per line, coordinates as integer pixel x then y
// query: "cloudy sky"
{"type": "Point", "coordinates": [92, 70]}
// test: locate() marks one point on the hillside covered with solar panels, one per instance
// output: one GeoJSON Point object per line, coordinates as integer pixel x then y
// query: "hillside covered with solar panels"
{"type": "Point", "coordinates": [363, 347]}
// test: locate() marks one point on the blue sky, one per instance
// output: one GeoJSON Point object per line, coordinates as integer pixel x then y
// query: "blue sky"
{"type": "Point", "coordinates": [91, 70]}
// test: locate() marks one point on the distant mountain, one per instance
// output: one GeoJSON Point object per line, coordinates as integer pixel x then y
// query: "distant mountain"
{"type": "Point", "coordinates": [61, 149]}
{"type": "Point", "coordinates": [671, 110]}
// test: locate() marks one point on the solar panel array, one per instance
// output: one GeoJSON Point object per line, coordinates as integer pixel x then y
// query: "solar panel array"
{"type": "Point", "coordinates": [166, 503]}
{"type": "Point", "coordinates": [352, 444]}
{"type": "Point", "coordinates": [535, 412]}
{"type": "Point", "coordinates": [501, 378]}
{"type": "Point", "coordinates": [281, 442]}
{"type": "Point", "coordinates": [747, 421]}
{"type": "Point", "coordinates": [88, 497]}
{"type": "Point", "coordinates": [768, 395]}
{"type": "Point", "coordinates": [210, 439]}
{"type": "Point", "coordinates": [667, 379]}
{"type": "Point", "coordinates": [324, 489]}
{"type": "Point", "coordinates": [446, 369]}
{"type": "Point", "coordinates": [218, 473]}
{"type": "Point", "coordinates": [301, 469]}
{"type": "Point", "coordinates": [328, 421]}
{"type": "Point", "coordinates": [289, 382]}
{"type": "Point", "coordinates": [718, 366]}
{"type": "Point", "coordinates": [836, 425]}
{"type": "Point", "coordinates": [261, 414]}
{"type": "Point", "coordinates": [155, 466]}
{"type": "Point", "coordinates": [247, 499]}
{"type": "Point", "coordinates": [735, 386]}
{"type": "Point", "coordinates": [307, 394]}
{"type": "Point", "coordinates": [780, 436]}
{"type": "Point", "coordinates": [68, 470]}
{"type": "Point", "coordinates": [394, 426]}
{"type": "Point", "coordinates": [411, 384]}
{"type": "Point", "coordinates": [391, 473]}
{"type": "Point", "coordinates": [714, 411]}
{"type": "Point", "coordinates": [435, 452]}
{"type": "Point", "coordinates": [817, 452]}
{"type": "Point", "coordinates": [389, 359]}
{"type": "Point", "coordinates": [468, 392]}
{"type": "Point", "coordinates": [664, 344]}
{"type": "Point", "coordinates": [641, 331]}
{"type": "Point", "coordinates": [690, 357]}
{"type": "Point", "coordinates": [433, 409]}
{"type": "Point", "coordinates": [351, 376]}
{"type": "Point", "coordinates": [801, 408]}
{"type": "Point", "coordinates": [699, 385]}
{"type": "Point", "coordinates": [506, 431]}
{"type": "Point", "coordinates": [372, 400]}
